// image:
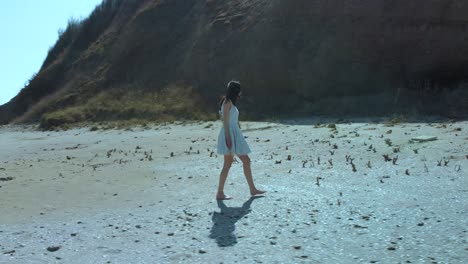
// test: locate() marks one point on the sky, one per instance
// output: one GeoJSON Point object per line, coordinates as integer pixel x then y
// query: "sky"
{"type": "Point", "coordinates": [28, 28]}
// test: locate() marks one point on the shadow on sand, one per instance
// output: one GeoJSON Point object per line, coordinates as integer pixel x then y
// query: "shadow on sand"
{"type": "Point", "coordinates": [224, 222]}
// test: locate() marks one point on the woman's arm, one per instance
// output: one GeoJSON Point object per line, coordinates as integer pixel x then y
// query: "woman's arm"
{"type": "Point", "coordinates": [226, 109]}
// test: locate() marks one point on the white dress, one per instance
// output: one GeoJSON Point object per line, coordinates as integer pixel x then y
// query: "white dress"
{"type": "Point", "coordinates": [239, 145]}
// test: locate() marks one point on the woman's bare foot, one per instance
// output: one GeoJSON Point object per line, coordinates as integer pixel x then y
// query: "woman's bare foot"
{"type": "Point", "coordinates": [222, 196]}
{"type": "Point", "coordinates": [257, 192]}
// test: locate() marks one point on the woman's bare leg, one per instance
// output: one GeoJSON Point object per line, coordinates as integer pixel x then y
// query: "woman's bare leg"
{"type": "Point", "coordinates": [248, 175]}
{"type": "Point", "coordinates": [228, 159]}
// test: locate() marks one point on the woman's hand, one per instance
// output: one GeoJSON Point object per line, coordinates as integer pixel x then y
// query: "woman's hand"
{"type": "Point", "coordinates": [228, 142]}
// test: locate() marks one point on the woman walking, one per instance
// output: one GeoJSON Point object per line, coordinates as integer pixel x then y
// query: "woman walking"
{"type": "Point", "coordinates": [231, 141]}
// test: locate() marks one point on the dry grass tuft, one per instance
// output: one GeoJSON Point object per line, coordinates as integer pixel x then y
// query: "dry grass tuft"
{"type": "Point", "coordinates": [131, 107]}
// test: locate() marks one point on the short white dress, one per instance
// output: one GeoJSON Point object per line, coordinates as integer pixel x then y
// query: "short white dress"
{"type": "Point", "coordinates": [239, 145]}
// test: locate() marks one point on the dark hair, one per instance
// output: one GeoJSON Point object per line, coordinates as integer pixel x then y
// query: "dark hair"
{"type": "Point", "coordinates": [232, 92]}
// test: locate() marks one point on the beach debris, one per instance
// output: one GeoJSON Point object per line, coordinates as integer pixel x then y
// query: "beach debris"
{"type": "Point", "coordinates": [317, 181]}
{"type": "Point", "coordinates": [9, 252]}
{"type": "Point", "coordinates": [278, 162]}
{"type": "Point", "coordinates": [297, 247]}
{"type": "Point", "coordinates": [360, 226]}
{"type": "Point", "coordinates": [201, 251]}
{"type": "Point", "coordinates": [423, 138]}
{"type": "Point", "coordinates": [330, 161]}
{"type": "Point", "coordinates": [74, 147]}
{"type": "Point", "coordinates": [9, 178]}
{"type": "Point", "coordinates": [53, 248]}
{"type": "Point", "coordinates": [366, 217]}
{"type": "Point", "coordinates": [388, 142]}
{"type": "Point", "coordinates": [386, 157]}
{"type": "Point", "coordinates": [289, 157]}
{"type": "Point", "coordinates": [407, 172]}
{"type": "Point", "coordinates": [172, 154]}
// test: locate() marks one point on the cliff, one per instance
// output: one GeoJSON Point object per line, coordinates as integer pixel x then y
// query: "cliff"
{"type": "Point", "coordinates": [174, 57]}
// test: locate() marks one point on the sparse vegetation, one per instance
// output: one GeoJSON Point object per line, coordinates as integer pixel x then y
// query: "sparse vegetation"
{"type": "Point", "coordinates": [131, 107]}
{"type": "Point", "coordinates": [395, 121]}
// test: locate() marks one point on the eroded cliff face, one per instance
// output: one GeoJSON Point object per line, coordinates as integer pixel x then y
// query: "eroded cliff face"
{"type": "Point", "coordinates": [285, 52]}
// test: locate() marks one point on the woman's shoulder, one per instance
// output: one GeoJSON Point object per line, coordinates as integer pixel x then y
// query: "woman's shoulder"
{"type": "Point", "coordinates": [227, 102]}
{"type": "Point", "coordinates": [227, 105]}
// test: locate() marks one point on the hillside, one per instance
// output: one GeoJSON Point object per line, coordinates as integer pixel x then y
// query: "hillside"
{"type": "Point", "coordinates": [163, 59]}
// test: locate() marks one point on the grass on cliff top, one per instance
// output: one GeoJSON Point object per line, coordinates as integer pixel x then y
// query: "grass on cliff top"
{"type": "Point", "coordinates": [130, 107]}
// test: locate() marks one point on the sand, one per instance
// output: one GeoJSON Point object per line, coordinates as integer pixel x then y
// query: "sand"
{"type": "Point", "coordinates": [146, 195]}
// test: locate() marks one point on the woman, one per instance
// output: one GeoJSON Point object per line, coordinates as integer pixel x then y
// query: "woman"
{"type": "Point", "coordinates": [231, 141]}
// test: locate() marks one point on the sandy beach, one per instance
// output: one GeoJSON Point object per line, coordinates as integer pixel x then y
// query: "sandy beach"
{"type": "Point", "coordinates": [147, 194]}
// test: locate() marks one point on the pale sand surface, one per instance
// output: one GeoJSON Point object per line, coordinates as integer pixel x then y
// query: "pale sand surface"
{"type": "Point", "coordinates": [118, 196]}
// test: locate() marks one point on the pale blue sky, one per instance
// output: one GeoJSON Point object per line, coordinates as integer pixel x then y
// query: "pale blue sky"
{"type": "Point", "coordinates": [28, 28]}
